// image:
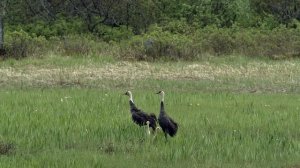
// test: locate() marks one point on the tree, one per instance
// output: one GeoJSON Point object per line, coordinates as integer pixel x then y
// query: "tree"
{"type": "Point", "coordinates": [114, 13]}
{"type": "Point", "coordinates": [284, 10]}
{"type": "Point", "coordinates": [2, 14]}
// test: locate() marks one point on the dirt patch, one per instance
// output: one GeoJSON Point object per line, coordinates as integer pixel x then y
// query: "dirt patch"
{"type": "Point", "coordinates": [6, 148]}
{"type": "Point", "coordinates": [294, 166]}
{"type": "Point", "coordinates": [108, 148]}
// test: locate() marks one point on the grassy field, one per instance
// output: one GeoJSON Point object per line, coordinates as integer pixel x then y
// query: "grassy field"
{"type": "Point", "coordinates": [233, 112]}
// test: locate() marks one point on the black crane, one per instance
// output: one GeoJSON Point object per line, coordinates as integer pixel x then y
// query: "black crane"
{"type": "Point", "coordinates": [167, 124]}
{"type": "Point", "coordinates": [138, 116]}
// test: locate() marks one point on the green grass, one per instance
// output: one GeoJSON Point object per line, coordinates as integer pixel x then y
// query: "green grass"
{"type": "Point", "coordinates": [70, 112]}
{"type": "Point", "coordinates": [92, 128]}
{"type": "Point", "coordinates": [53, 60]}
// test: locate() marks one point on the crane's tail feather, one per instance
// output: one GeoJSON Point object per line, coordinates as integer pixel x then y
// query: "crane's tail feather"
{"type": "Point", "coordinates": [174, 129]}
{"type": "Point", "coordinates": [153, 120]}
{"type": "Point", "coordinates": [153, 116]}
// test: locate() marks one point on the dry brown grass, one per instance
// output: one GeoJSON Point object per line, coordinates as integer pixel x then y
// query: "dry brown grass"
{"type": "Point", "coordinates": [277, 73]}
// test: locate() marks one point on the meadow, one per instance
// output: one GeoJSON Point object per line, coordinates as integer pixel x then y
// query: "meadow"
{"type": "Point", "coordinates": [233, 112]}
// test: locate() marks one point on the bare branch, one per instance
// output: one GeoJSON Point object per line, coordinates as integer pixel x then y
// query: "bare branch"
{"type": "Point", "coordinates": [30, 8]}
{"type": "Point", "coordinates": [46, 8]}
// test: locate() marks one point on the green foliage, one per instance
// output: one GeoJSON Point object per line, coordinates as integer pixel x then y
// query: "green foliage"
{"type": "Point", "coordinates": [269, 22]}
{"type": "Point", "coordinates": [178, 27]}
{"type": "Point", "coordinates": [54, 18]}
{"type": "Point", "coordinates": [283, 11]}
{"type": "Point", "coordinates": [159, 44]}
{"type": "Point", "coordinates": [215, 41]}
{"type": "Point", "coordinates": [167, 43]}
{"type": "Point", "coordinates": [74, 46]}
{"type": "Point", "coordinates": [59, 27]}
{"type": "Point", "coordinates": [63, 26]}
{"type": "Point", "coordinates": [20, 45]}
{"type": "Point", "coordinates": [84, 46]}
{"type": "Point", "coordinates": [117, 34]}
{"type": "Point", "coordinates": [175, 41]}
{"type": "Point", "coordinates": [278, 43]}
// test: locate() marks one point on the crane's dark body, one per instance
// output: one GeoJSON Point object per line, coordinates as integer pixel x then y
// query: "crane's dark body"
{"type": "Point", "coordinates": [167, 124]}
{"type": "Point", "coordinates": [140, 118]}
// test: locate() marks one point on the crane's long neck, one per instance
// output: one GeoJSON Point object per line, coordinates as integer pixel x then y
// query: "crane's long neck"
{"type": "Point", "coordinates": [162, 97]}
{"type": "Point", "coordinates": [130, 97]}
{"type": "Point", "coordinates": [162, 107]}
{"type": "Point", "coordinates": [132, 105]}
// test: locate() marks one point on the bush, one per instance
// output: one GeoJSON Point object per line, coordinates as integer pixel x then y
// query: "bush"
{"type": "Point", "coordinates": [20, 45]}
{"type": "Point", "coordinates": [84, 46]}
{"type": "Point", "coordinates": [278, 43]}
{"type": "Point", "coordinates": [72, 45]}
{"type": "Point", "coordinates": [161, 43]}
{"type": "Point", "coordinates": [215, 41]}
{"type": "Point", "coordinates": [178, 27]}
{"type": "Point", "coordinates": [116, 34]}
{"type": "Point", "coordinates": [59, 27]}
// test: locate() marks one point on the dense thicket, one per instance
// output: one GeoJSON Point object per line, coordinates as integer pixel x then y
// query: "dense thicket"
{"type": "Point", "coordinates": [155, 28]}
{"type": "Point", "coordinates": [138, 15]}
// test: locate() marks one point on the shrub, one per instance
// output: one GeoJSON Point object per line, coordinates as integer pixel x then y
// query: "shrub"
{"type": "Point", "coordinates": [216, 41]}
{"type": "Point", "coordinates": [280, 42]}
{"type": "Point", "coordinates": [159, 44]}
{"type": "Point", "coordinates": [178, 27]}
{"type": "Point", "coordinates": [20, 45]}
{"type": "Point", "coordinates": [76, 46]}
{"type": "Point", "coordinates": [116, 34]}
{"type": "Point", "coordinates": [59, 27]}
{"type": "Point", "coordinates": [162, 43]}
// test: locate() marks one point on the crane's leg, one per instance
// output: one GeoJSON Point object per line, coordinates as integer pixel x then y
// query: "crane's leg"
{"type": "Point", "coordinates": [155, 132]}
{"type": "Point", "coordinates": [148, 132]}
{"type": "Point", "coordinates": [166, 136]}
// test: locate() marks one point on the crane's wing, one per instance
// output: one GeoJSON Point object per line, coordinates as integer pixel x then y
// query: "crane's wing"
{"type": "Point", "coordinates": [168, 125]}
{"type": "Point", "coordinates": [138, 118]}
{"type": "Point", "coordinates": [173, 122]}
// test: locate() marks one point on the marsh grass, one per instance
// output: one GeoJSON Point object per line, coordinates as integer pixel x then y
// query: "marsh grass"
{"type": "Point", "coordinates": [92, 127]}
{"type": "Point", "coordinates": [70, 112]}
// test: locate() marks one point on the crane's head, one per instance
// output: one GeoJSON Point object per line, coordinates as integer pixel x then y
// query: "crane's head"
{"type": "Point", "coordinates": [128, 93]}
{"type": "Point", "coordinates": [160, 92]}
{"type": "Point", "coordinates": [162, 95]}
{"type": "Point", "coordinates": [148, 123]}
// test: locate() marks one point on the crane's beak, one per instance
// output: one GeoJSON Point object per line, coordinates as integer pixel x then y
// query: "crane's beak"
{"type": "Point", "coordinates": [158, 92]}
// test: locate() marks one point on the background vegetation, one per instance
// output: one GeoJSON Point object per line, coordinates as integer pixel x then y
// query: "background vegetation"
{"type": "Point", "coordinates": [152, 29]}
{"type": "Point", "coordinates": [71, 112]}
{"type": "Point", "coordinates": [61, 82]}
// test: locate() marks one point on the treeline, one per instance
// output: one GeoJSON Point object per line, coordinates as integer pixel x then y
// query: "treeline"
{"type": "Point", "coordinates": [151, 29]}
{"type": "Point", "coordinates": [92, 15]}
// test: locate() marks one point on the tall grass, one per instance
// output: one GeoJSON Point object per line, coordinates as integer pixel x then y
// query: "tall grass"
{"type": "Point", "coordinates": [93, 128]}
